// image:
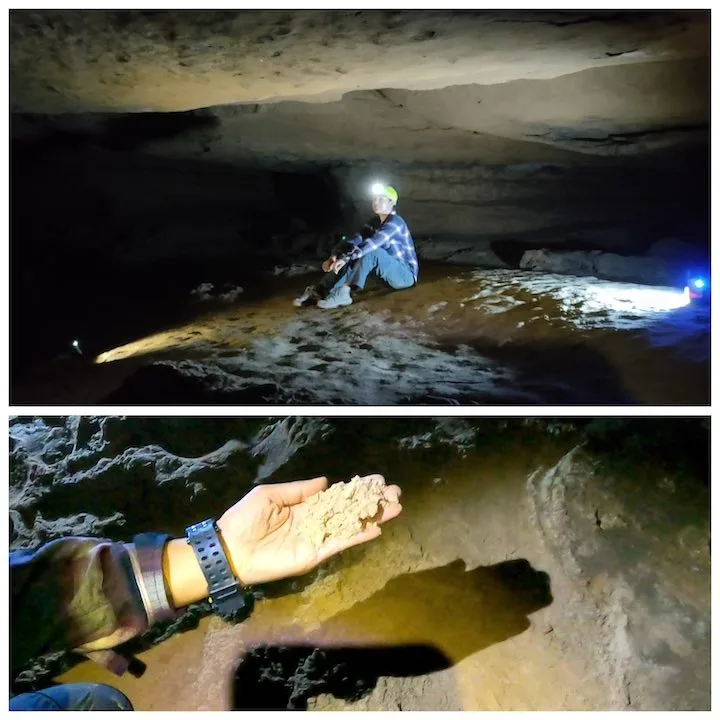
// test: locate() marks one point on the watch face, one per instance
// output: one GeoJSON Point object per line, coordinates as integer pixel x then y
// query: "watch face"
{"type": "Point", "coordinates": [201, 527]}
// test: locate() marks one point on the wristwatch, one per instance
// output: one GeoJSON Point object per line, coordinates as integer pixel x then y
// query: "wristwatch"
{"type": "Point", "coordinates": [227, 597]}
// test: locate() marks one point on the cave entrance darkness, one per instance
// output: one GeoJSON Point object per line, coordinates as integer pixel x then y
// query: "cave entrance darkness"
{"type": "Point", "coordinates": [313, 196]}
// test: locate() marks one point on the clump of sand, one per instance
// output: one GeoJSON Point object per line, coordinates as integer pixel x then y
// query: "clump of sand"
{"type": "Point", "coordinates": [343, 510]}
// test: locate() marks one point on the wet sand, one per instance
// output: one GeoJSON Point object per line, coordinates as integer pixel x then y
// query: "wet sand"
{"type": "Point", "coordinates": [462, 336]}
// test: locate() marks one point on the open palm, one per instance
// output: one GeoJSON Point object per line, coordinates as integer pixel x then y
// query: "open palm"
{"type": "Point", "coordinates": [262, 531]}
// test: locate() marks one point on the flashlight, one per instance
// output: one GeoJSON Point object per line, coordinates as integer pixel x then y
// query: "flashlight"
{"type": "Point", "coordinates": [76, 347]}
{"type": "Point", "coordinates": [697, 288]}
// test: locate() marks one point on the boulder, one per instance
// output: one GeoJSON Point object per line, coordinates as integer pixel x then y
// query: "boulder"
{"type": "Point", "coordinates": [634, 268]}
{"type": "Point", "coordinates": [564, 263]}
{"type": "Point", "coordinates": [461, 251]}
{"type": "Point", "coordinates": [609, 266]}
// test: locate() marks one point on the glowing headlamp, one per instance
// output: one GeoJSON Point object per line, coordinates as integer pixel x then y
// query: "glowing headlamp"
{"type": "Point", "coordinates": [378, 189]}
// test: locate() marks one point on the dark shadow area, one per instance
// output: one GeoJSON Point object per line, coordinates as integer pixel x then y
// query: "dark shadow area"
{"type": "Point", "coordinates": [557, 373]}
{"type": "Point", "coordinates": [163, 385]}
{"type": "Point", "coordinates": [115, 132]}
{"type": "Point", "coordinates": [417, 624]}
{"type": "Point", "coordinates": [313, 197]}
{"type": "Point", "coordinates": [107, 242]}
{"type": "Point", "coordinates": [106, 246]}
{"type": "Point", "coordinates": [285, 678]}
{"type": "Point", "coordinates": [131, 131]}
{"type": "Point", "coordinates": [680, 445]}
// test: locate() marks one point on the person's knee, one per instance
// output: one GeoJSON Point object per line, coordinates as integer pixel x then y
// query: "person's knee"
{"type": "Point", "coordinates": [402, 285]}
{"type": "Point", "coordinates": [401, 278]}
{"type": "Point", "coordinates": [369, 259]}
{"type": "Point", "coordinates": [102, 697]}
{"type": "Point", "coordinates": [73, 696]}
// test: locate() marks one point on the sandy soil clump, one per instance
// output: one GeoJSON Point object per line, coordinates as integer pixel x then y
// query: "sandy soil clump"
{"type": "Point", "coordinates": [343, 510]}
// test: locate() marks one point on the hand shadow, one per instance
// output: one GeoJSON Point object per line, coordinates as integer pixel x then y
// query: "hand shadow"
{"type": "Point", "coordinates": [417, 624]}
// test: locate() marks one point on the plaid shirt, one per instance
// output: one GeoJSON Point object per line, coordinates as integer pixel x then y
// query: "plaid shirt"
{"type": "Point", "coordinates": [85, 594]}
{"type": "Point", "coordinates": [394, 237]}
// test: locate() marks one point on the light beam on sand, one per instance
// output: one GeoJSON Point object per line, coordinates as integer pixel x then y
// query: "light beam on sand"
{"type": "Point", "coordinates": [175, 339]}
{"type": "Point", "coordinates": [639, 299]}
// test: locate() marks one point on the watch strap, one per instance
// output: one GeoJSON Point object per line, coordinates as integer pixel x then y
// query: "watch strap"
{"type": "Point", "coordinates": [225, 593]}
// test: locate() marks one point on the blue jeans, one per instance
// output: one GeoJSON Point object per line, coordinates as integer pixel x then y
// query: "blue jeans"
{"type": "Point", "coordinates": [387, 267]}
{"type": "Point", "coordinates": [73, 696]}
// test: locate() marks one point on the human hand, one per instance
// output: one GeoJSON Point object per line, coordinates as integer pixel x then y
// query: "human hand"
{"type": "Point", "coordinates": [327, 264]}
{"type": "Point", "coordinates": [262, 531]}
{"type": "Point", "coordinates": [338, 265]}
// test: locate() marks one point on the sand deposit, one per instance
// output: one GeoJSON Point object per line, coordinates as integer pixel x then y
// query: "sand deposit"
{"type": "Point", "coordinates": [343, 510]}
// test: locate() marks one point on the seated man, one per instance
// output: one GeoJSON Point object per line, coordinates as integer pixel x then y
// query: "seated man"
{"type": "Point", "coordinates": [386, 248]}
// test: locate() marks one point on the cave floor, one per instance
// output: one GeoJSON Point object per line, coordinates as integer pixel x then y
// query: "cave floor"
{"type": "Point", "coordinates": [500, 603]}
{"type": "Point", "coordinates": [461, 336]}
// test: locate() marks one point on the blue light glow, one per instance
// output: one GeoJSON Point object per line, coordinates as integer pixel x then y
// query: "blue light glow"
{"type": "Point", "coordinates": [699, 283]}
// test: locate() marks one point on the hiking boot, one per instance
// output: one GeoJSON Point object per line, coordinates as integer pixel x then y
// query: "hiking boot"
{"type": "Point", "coordinates": [337, 298]}
{"type": "Point", "coordinates": [309, 294]}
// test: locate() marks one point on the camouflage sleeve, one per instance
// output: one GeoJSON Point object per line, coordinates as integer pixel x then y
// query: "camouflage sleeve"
{"type": "Point", "coordinates": [86, 594]}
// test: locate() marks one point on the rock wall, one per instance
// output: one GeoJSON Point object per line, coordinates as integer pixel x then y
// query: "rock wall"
{"type": "Point", "coordinates": [601, 534]}
{"type": "Point", "coordinates": [670, 271]}
{"type": "Point", "coordinates": [148, 190]}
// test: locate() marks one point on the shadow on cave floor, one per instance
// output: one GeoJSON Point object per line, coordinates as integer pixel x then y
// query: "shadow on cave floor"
{"type": "Point", "coordinates": [286, 677]}
{"type": "Point", "coordinates": [419, 623]}
{"type": "Point", "coordinates": [462, 336]}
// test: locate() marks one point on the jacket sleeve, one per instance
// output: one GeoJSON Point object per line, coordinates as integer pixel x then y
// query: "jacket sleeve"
{"type": "Point", "coordinates": [85, 594]}
{"type": "Point", "coordinates": [379, 239]}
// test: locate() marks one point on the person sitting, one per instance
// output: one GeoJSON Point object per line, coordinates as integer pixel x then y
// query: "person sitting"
{"type": "Point", "coordinates": [385, 248]}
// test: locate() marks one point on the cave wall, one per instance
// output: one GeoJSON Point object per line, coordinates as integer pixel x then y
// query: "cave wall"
{"type": "Point", "coordinates": [595, 135]}
{"type": "Point", "coordinates": [144, 191]}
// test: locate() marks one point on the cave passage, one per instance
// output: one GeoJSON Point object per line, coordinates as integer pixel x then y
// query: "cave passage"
{"type": "Point", "coordinates": [177, 160]}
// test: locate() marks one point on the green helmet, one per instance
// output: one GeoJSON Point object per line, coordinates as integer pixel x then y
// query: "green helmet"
{"type": "Point", "coordinates": [391, 192]}
{"type": "Point", "coordinates": [386, 191]}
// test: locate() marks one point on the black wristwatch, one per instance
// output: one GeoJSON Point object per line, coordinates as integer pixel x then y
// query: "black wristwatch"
{"type": "Point", "coordinates": [227, 597]}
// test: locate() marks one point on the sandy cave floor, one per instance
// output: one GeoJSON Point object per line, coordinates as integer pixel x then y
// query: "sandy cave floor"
{"type": "Point", "coordinates": [459, 337]}
{"type": "Point", "coordinates": [480, 535]}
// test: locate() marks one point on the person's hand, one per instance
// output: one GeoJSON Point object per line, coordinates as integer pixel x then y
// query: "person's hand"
{"type": "Point", "coordinates": [338, 265]}
{"type": "Point", "coordinates": [327, 264]}
{"type": "Point", "coordinates": [262, 531]}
